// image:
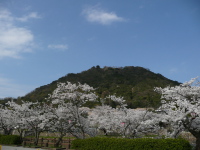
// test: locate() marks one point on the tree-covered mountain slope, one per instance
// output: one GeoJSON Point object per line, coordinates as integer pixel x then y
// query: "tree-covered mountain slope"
{"type": "Point", "coordinates": [135, 84]}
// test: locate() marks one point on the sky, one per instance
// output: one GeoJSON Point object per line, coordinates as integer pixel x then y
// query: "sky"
{"type": "Point", "coordinates": [43, 40]}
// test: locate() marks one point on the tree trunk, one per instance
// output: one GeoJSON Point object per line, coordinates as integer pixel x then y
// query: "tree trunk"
{"type": "Point", "coordinates": [125, 129]}
{"type": "Point", "coordinates": [37, 134]}
{"type": "Point", "coordinates": [104, 131]}
{"type": "Point", "coordinates": [59, 141]}
{"type": "Point", "coordinates": [21, 132]}
{"type": "Point", "coordinates": [21, 136]}
{"type": "Point", "coordinates": [7, 131]}
{"type": "Point", "coordinates": [197, 143]}
{"type": "Point", "coordinates": [195, 133]}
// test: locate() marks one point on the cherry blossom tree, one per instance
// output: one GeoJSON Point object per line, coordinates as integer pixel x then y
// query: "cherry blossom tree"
{"type": "Point", "coordinates": [102, 117]}
{"type": "Point", "coordinates": [74, 96]}
{"type": "Point", "coordinates": [181, 106]}
{"type": "Point", "coordinates": [6, 120]}
{"type": "Point", "coordinates": [39, 120]}
{"type": "Point", "coordinates": [126, 122]}
{"type": "Point", "coordinates": [31, 116]}
{"type": "Point", "coordinates": [61, 121]}
{"type": "Point", "coordinates": [82, 126]}
{"type": "Point", "coordinates": [20, 113]}
{"type": "Point", "coordinates": [136, 122]}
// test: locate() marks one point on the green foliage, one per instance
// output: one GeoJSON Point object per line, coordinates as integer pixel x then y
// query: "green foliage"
{"type": "Point", "coordinates": [3, 101]}
{"type": "Point", "coordinates": [10, 139]}
{"type": "Point", "coordinates": [130, 144]}
{"type": "Point", "coordinates": [135, 84]}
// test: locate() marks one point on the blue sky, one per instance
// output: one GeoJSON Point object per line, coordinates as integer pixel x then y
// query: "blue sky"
{"type": "Point", "coordinates": [43, 40]}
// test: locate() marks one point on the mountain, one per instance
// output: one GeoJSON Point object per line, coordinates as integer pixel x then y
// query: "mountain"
{"type": "Point", "coordinates": [135, 84]}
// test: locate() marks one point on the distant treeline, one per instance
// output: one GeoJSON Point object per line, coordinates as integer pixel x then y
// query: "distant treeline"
{"type": "Point", "coordinates": [135, 84]}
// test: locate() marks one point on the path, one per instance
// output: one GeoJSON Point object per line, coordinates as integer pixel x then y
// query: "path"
{"type": "Point", "coordinates": [18, 148]}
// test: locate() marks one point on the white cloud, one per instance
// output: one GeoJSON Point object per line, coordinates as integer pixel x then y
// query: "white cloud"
{"type": "Point", "coordinates": [95, 14]}
{"type": "Point", "coordinates": [32, 15]}
{"type": "Point", "coordinates": [5, 15]}
{"type": "Point", "coordinates": [58, 46]}
{"type": "Point", "coordinates": [10, 89]}
{"type": "Point", "coordinates": [14, 40]}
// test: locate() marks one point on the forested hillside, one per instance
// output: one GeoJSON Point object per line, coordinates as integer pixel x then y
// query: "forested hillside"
{"type": "Point", "coordinates": [135, 84]}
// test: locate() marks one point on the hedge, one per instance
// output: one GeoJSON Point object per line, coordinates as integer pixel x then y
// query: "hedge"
{"type": "Point", "coordinates": [130, 144]}
{"type": "Point", "coordinates": [10, 139]}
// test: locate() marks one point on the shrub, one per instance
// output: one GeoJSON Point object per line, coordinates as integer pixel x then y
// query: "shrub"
{"type": "Point", "coordinates": [130, 144]}
{"type": "Point", "coordinates": [10, 139]}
